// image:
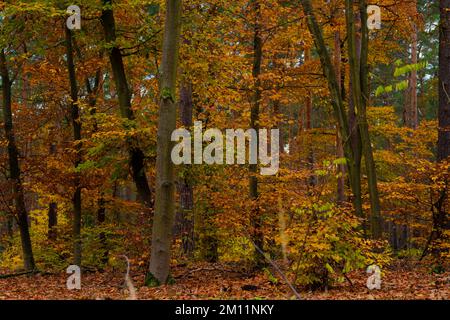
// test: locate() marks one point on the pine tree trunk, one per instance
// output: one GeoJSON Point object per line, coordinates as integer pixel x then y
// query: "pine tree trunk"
{"type": "Point", "coordinates": [165, 184]}
{"type": "Point", "coordinates": [441, 222]}
{"type": "Point", "coordinates": [444, 81]}
{"type": "Point", "coordinates": [14, 167]}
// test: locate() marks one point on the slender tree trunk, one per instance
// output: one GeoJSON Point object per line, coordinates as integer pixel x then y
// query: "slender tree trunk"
{"type": "Point", "coordinates": [136, 155]}
{"type": "Point", "coordinates": [52, 221]}
{"type": "Point", "coordinates": [185, 216]}
{"type": "Point", "coordinates": [279, 124]}
{"type": "Point", "coordinates": [76, 124]}
{"type": "Point", "coordinates": [165, 184]}
{"type": "Point", "coordinates": [411, 118]}
{"type": "Point", "coordinates": [411, 111]}
{"type": "Point", "coordinates": [52, 233]}
{"type": "Point", "coordinates": [14, 167]}
{"type": "Point", "coordinates": [360, 92]}
{"type": "Point", "coordinates": [339, 148]}
{"type": "Point", "coordinates": [256, 220]}
{"type": "Point", "coordinates": [101, 218]}
{"type": "Point", "coordinates": [376, 221]}
{"type": "Point", "coordinates": [312, 181]}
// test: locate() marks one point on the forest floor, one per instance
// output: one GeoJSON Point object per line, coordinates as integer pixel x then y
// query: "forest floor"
{"type": "Point", "coordinates": [217, 281]}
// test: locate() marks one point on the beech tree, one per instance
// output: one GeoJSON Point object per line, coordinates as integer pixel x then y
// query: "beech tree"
{"type": "Point", "coordinates": [165, 184]}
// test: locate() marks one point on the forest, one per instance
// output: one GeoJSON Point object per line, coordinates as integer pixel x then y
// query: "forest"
{"type": "Point", "coordinates": [212, 149]}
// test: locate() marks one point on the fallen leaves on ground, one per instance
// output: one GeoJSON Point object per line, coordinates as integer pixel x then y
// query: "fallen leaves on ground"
{"type": "Point", "coordinates": [209, 281]}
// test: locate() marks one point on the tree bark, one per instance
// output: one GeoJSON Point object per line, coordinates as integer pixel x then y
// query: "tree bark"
{"type": "Point", "coordinates": [336, 100]}
{"type": "Point", "coordinates": [411, 111]}
{"type": "Point", "coordinates": [165, 184]}
{"type": "Point", "coordinates": [14, 166]}
{"type": "Point", "coordinates": [444, 81]}
{"type": "Point", "coordinates": [441, 223]}
{"type": "Point", "coordinates": [136, 155]}
{"type": "Point", "coordinates": [52, 233]}
{"type": "Point", "coordinates": [360, 93]}
{"type": "Point", "coordinates": [52, 221]}
{"type": "Point", "coordinates": [185, 216]}
{"type": "Point", "coordinates": [76, 124]}
{"type": "Point", "coordinates": [313, 180]}
{"type": "Point", "coordinates": [339, 148]}
{"type": "Point", "coordinates": [256, 219]}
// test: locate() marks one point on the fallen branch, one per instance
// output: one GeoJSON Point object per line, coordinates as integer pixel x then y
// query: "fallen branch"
{"type": "Point", "coordinates": [276, 268]}
{"type": "Point", "coordinates": [12, 275]}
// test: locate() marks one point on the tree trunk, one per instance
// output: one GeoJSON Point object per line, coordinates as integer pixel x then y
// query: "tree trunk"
{"type": "Point", "coordinates": [339, 148]}
{"type": "Point", "coordinates": [411, 111]}
{"type": "Point", "coordinates": [336, 101]}
{"type": "Point", "coordinates": [165, 185]}
{"type": "Point", "coordinates": [444, 81]}
{"type": "Point", "coordinates": [441, 223]}
{"type": "Point", "coordinates": [52, 221]}
{"type": "Point", "coordinates": [14, 167]}
{"type": "Point", "coordinates": [360, 92]}
{"type": "Point", "coordinates": [136, 155]}
{"type": "Point", "coordinates": [313, 180]}
{"type": "Point", "coordinates": [256, 220]}
{"type": "Point", "coordinates": [185, 216]}
{"type": "Point", "coordinates": [76, 124]}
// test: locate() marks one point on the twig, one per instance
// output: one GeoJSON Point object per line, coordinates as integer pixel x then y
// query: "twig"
{"type": "Point", "coordinates": [128, 282]}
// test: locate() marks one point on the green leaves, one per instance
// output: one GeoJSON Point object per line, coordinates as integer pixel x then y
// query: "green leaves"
{"type": "Point", "coordinates": [401, 71]}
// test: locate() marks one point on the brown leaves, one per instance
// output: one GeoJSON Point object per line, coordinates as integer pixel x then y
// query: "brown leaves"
{"type": "Point", "coordinates": [207, 281]}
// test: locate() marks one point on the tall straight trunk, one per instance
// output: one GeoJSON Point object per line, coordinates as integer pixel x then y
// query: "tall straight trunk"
{"type": "Point", "coordinates": [136, 155]}
{"type": "Point", "coordinates": [185, 216]}
{"type": "Point", "coordinates": [375, 218]}
{"type": "Point", "coordinates": [165, 184]}
{"type": "Point", "coordinates": [441, 222]}
{"type": "Point", "coordinates": [360, 92]}
{"type": "Point", "coordinates": [411, 111]}
{"type": "Point", "coordinates": [185, 187]}
{"type": "Point", "coordinates": [279, 125]}
{"type": "Point", "coordinates": [76, 125]}
{"type": "Point", "coordinates": [14, 166]}
{"type": "Point", "coordinates": [256, 220]}
{"type": "Point", "coordinates": [444, 81]}
{"type": "Point", "coordinates": [411, 119]}
{"type": "Point", "coordinates": [312, 180]}
{"type": "Point", "coordinates": [355, 136]}
{"type": "Point", "coordinates": [339, 148]}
